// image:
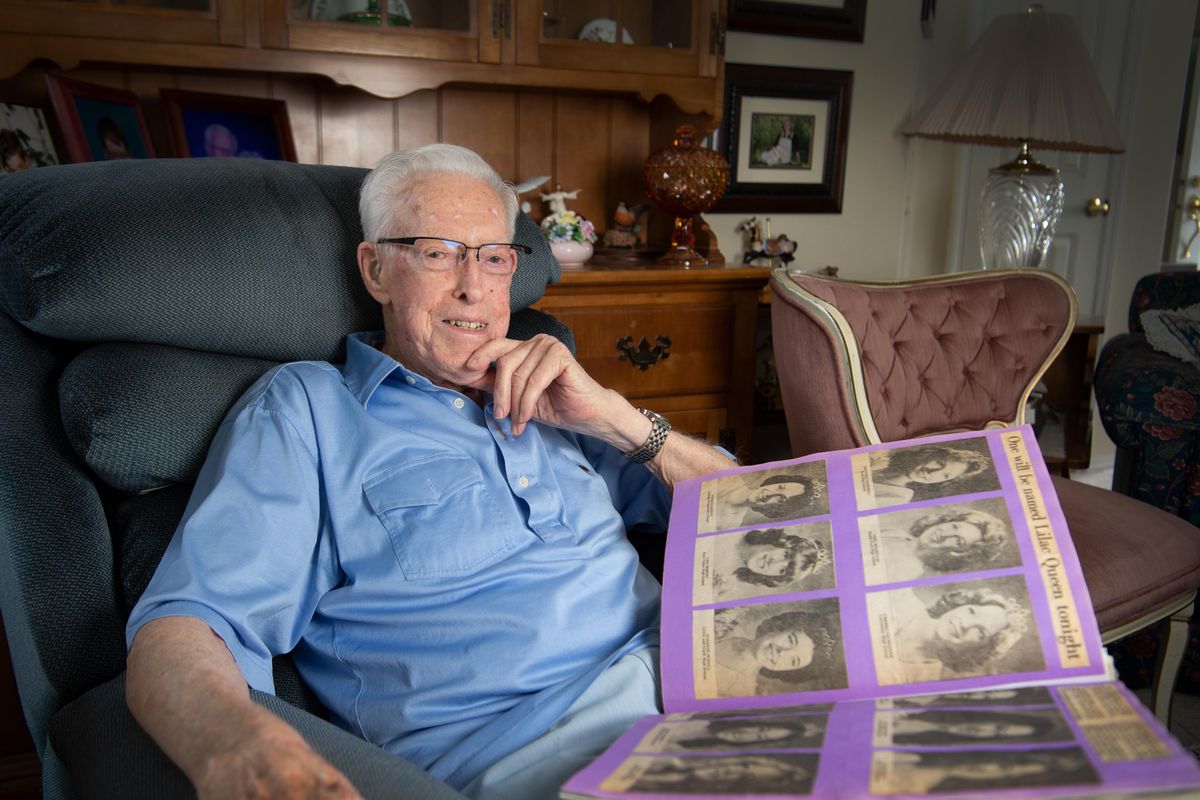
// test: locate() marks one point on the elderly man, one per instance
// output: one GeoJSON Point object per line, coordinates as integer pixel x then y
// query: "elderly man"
{"type": "Point", "coordinates": [436, 528]}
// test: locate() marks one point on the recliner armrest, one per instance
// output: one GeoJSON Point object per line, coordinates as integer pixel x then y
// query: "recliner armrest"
{"type": "Point", "coordinates": [107, 754]}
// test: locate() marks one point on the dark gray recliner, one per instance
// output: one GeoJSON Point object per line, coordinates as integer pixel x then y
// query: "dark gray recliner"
{"type": "Point", "coordinates": [139, 300]}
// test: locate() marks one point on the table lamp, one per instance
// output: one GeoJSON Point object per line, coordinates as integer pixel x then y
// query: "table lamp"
{"type": "Point", "coordinates": [1028, 83]}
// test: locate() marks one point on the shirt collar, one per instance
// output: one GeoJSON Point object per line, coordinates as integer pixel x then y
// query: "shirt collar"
{"type": "Point", "coordinates": [367, 366]}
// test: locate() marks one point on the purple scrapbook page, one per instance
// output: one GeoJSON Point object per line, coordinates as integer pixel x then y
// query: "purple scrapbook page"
{"type": "Point", "coordinates": [1077, 741]}
{"type": "Point", "coordinates": [903, 620]}
{"type": "Point", "coordinates": [933, 565]}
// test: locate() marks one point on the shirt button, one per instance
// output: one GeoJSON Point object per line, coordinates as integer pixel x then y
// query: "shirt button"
{"type": "Point", "coordinates": [523, 482]}
{"type": "Point", "coordinates": [410, 379]}
{"type": "Point", "coordinates": [459, 402]}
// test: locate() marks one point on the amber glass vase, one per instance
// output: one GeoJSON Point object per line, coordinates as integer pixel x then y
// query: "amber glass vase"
{"type": "Point", "coordinates": [684, 180]}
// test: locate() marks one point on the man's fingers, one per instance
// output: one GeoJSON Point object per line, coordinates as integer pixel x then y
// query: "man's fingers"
{"type": "Point", "coordinates": [546, 369]}
{"type": "Point", "coordinates": [523, 374]}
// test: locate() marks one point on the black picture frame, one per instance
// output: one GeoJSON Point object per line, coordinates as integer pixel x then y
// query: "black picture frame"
{"type": "Point", "coordinates": [760, 101]}
{"type": "Point", "coordinates": [846, 22]}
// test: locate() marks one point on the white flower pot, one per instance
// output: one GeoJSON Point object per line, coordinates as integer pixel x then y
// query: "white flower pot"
{"type": "Point", "coordinates": [571, 254]}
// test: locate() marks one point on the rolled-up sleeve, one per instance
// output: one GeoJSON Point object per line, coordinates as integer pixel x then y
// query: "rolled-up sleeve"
{"type": "Point", "coordinates": [252, 555]}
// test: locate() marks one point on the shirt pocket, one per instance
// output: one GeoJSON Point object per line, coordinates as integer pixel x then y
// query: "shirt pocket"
{"type": "Point", "coordinates": [440, 516]}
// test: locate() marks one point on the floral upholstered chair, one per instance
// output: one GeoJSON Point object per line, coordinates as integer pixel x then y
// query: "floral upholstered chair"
{"type": "Point", "coordinates": [1147, 383]}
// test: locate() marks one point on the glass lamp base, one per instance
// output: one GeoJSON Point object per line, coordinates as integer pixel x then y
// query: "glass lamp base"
{"type": "Point", "coordinates": [1021, 204]}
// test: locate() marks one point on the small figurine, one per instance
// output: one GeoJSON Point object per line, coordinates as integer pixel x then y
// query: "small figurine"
{"type": "Point", "coordinates": [780, 247]}
{"type": "Point", "coordinates": [625, 227]}
{"type": "Point", "coordinates": [557, 199]}
{"type": "Point", "coordinates": [754, 243]}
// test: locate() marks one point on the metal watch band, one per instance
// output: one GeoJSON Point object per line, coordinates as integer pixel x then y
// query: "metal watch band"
{"type": "Point", "coordinates": [654, 442]}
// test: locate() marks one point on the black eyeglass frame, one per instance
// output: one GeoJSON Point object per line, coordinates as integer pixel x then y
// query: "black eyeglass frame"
{"type": "Point", "coordinates": [411, 240]}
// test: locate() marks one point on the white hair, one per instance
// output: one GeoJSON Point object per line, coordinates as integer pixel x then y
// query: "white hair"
{"type": "Point", "coordinates": [385, 184]}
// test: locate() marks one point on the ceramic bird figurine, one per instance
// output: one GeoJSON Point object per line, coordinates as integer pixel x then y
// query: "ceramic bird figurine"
{"type": "Point", "coordinates": [624, 230]}
{"type": "Point", "coordinates": [626, 217]}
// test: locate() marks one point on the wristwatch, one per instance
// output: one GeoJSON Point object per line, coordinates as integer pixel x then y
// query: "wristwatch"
{"type": "Point", "coordinates": [654, 442]}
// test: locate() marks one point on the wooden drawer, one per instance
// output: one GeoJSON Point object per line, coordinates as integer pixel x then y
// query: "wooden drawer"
{"type": "Point", "coordinates": [678, 341]}
{"type": "Point", "coordinates": [649, 350]}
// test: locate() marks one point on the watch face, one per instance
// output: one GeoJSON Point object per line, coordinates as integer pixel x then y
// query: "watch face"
{"type": "Point", "coordinates": [654, 416]}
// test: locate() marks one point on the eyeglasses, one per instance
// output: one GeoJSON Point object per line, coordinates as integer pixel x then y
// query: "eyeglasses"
{"type": "Point", "coordinates": [440, 255]}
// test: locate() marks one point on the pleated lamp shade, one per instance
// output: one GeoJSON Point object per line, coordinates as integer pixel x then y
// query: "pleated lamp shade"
{"type": "Point", "coordinates": [1029, 83]}
{"type": "Point", "coordinates": [1030, 79]}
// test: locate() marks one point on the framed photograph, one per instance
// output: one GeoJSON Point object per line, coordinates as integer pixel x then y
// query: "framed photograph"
{"type": "Point", "coordinates": [816, 19]}
{"type": "Point", "coordinates": [25, 140]}
{"type": "Point", "coordinates": [784, 135]}
{"type": "Point", "coordinates": [204, 125]}
{"type": "Point", "coordinates": [99, 123]}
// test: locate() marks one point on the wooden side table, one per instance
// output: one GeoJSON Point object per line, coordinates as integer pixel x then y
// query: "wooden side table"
{"type": "Point", "coordinates": [1066, 437]}
{"type": "Point", "coordinates": [679, 341]}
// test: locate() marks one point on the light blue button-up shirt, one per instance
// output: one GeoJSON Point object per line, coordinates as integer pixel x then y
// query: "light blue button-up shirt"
{"type": "Point", "coordinates": [449, 590]}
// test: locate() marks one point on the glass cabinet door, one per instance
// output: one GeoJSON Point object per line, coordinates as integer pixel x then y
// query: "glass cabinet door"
{"type": "Point", "coordinates": [652, 23]}
{"type": "Point", "coordinates": [668, 36]}
{"type": "Point", "coordinates": [446, 15]}
{"type": "Point", "coordinates": [165, 21]}
{"type": "Point", "coordinates": [438, 29]}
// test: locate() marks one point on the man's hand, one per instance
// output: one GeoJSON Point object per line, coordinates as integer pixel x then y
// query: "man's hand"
{"type": "Point", "coordinates": [540, 379]}
{"type": "Point", "coordinates": [269, 760]}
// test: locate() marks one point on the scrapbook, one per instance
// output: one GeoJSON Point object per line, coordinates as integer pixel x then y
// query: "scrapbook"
{"type": "Point", "coordinates": [901, 620]}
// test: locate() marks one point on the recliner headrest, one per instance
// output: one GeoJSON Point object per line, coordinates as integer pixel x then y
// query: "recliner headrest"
{"type": "Point", "coordinates": [238, 256]}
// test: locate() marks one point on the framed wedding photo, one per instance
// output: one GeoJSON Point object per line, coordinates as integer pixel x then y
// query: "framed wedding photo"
{"type": "Point", "coordinates": [824, 19]}
{"type": "Point", "coordinates": [204, 125]}
{"type": "Point", "coordinates": [25, 140]}
{"type": "Point", "coordinates": [784, 135]}
{"type": "Point", "coordinates": [99, 123]}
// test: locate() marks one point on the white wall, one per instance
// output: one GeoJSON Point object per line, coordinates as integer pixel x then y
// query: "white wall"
{"type": "Point", "coordinates": [897, 196]}
{"type": "Point", "coordinates": [900, 193]}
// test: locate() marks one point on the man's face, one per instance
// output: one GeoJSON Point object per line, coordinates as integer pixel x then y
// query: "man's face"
{"type": "Point", "coordinates": [436, 320]}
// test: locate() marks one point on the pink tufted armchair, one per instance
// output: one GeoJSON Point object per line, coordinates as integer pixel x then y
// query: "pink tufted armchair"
{"type": "Point", "coordinates": [862, 363]}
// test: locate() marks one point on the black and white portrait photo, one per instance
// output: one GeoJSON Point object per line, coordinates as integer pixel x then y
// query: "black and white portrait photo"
{"type": "Point", "coordinates": [764, 497]}
{"type": "Point", "coordinates": [957, 727]}
{"type": "Point", "coordinates": [966, 771]}
{"type": "Point", "coordinates": [778, 648]}
{"type": "Point", "coordinates": [1023, 696]}
{"type": "Point", "coordinates": [904, 475]}
{"type": "Point", "coordinates": [953, 630]}
{"type": "Point", "coordinates": [929, 541]}
{"type": "Point", "coordinates": [797, 732]}
{"type": "Point", "coordinates": [741, 775]}
{"type": "Point", "coordinates": [764, 561]}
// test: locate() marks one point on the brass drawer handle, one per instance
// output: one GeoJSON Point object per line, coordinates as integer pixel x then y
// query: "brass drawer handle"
{"type": "Point", "coordinates": [644, 356]}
